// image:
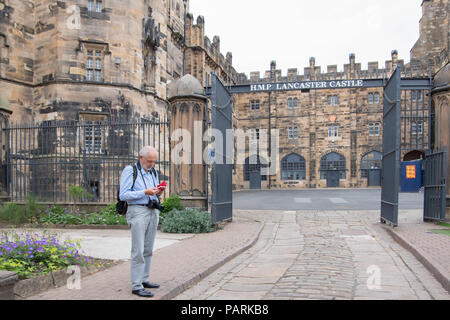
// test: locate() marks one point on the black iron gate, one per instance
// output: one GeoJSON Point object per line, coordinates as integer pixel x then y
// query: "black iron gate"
{"type": "Point", "coordinates": [435, 185]}
{"type": "Point", "coordinates": [391, 149]}
{"type": "Point", "coordinates": [221, 171]}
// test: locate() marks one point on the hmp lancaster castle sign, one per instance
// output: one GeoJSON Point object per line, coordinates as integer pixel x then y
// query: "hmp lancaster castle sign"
{"type": "Point", "coordinates": [308, 85]}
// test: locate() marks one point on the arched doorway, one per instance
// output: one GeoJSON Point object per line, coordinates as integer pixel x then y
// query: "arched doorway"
{"type": "Point", "coordinates": [332, 169]}
{"type": "Point", "coordinates": [371, 168]}
{"type": "Point", "coordinates": [252, 171]}
{"type": "Point", "coordinates": [414, 155]}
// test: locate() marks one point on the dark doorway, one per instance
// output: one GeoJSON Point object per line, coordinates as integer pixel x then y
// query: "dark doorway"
{"type": "Point", "coordinates": [255, 180]}
{"type": "Point", "coordinates": [374, 178]}
{"type": "Point", "coordinates": [333, 179]}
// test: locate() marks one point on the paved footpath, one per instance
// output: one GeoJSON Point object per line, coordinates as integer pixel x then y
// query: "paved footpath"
{"type": "Point", "coordinates": [175, 267]}
{"type": "Point", "coordinates": [320, 255]}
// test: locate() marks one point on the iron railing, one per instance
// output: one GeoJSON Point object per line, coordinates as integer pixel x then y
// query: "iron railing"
{"type": "Point", "coordinates": [44, 159]}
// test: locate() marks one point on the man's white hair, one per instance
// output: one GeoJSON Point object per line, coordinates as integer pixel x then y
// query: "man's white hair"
{"type": "Point", "coordinates": [146, 151]}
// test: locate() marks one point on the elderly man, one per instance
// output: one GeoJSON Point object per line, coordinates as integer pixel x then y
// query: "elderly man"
{"type": "Point", "coordinates": [142, 218]}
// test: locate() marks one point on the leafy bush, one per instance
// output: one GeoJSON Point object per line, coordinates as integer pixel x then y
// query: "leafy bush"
{"type": "Point", "coordinates": [187, 221]}
{"type": "Point", "coordinates": [60, 215]}
{"type": "Point", "coordinates": [171, 203]}
{"type": "Point", "coordinates": [17, 214]}
{"type": "Point", "coordinates": [32, 255]}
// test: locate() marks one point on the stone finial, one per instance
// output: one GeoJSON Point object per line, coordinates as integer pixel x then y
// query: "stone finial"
{"type": "Point", "coordinates": [273, 65]}
{"type": "Point", "coordinates": [394, 55]}
{"type": "Point", "coordinates": [201, 21]}
{"type": "Point", "coordinates": [352, 58]}
{"type": "Point", "coordinates": [312, 62]}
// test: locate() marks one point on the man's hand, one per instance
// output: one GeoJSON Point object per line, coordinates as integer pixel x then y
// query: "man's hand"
{"type": "Point", "coordinates": [151, 191]}
{"type": "Point", "coordinates": [160, 191]}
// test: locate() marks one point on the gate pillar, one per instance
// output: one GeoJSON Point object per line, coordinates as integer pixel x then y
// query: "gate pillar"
{"type": "Point", "coordinates": [188, 105]}
{"type": "Point", "coordinates": [441, 102]}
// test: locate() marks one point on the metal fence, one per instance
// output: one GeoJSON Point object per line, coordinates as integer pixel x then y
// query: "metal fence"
{"type": "Point", "coordinates": [435, 184]}
{"type": "Point", "coordinates": [44, 159]}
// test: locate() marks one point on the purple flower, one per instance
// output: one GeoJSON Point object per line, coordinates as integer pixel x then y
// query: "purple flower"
{"type": "Point", "coordinates": [31, 256]}
{"type": "Point", "coordinates": [40, 249]}
{"type": "Point", "coordinates": [1, 253]}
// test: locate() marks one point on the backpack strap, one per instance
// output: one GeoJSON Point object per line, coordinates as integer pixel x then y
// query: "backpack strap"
{"type": "Point", "coordinates": [134, 175]}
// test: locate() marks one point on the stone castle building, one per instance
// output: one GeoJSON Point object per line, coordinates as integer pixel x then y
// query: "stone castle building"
{"type": "Point", "coordinates": [95, 60]}
{"type": "Point", "coordinates": [70, 59]}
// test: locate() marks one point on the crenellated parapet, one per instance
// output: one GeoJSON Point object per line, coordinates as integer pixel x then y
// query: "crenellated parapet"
{"type": "Point", "coordinates": [350, 70]}
{"type": "Point", "coordinates": [202, 52]}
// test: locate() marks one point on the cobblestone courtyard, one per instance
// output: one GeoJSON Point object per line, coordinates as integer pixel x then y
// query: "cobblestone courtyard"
{"type": "Point", "coordinates": [320, 255]}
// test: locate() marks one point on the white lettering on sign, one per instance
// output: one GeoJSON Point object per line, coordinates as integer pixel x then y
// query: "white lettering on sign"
{"type": "Point", "coordinates": [307, 85]}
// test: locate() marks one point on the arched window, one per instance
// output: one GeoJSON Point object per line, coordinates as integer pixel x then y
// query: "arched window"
{"type": "Point", "coordinates": [333, 162]}
{"type": "Point", "coordinates": [252, 166]}
{"type": "Point", "coordinates": [371, 160]}
{"type": "Point", "coordinates": [293, 167]}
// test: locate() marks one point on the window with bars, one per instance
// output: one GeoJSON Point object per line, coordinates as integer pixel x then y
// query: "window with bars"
{"type": "Point", "coordinates": [92, 137]}
{"type": "Point", "coordinates": [254, 105]}
{"type": "Point", "coordinates": [333, 162]}
{"type": "Point", "coordinates": [293, 167]}
{"type": "Point", "coordinates": [374, 129]}
{"type": "Point", "coordinates": [292, 103]}
{"type": "Point", "coordinates": [374, 98]}
{"type": "Point", "coordinates": [417, 128]}
{"type": "Point", "coordinates": [333, 131]}
{"type": "Point", "coordinates": [92, 132]}
{"type": "Point", "coordinates": [333, 100]}
{"type": "Point", "coordinates": [94, 5]}
{"type": "Point", "coordinates": [255, 166]}
{"type": "Point", "coordinates": [371, 160]}
{"type": "Point", "coordinates": [293, 133]}
{"type": "Point", "coordinates": [94, 65]}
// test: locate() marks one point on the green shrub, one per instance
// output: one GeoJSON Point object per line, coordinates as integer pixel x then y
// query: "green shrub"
{"type": "Point", "coordinates": [172, 203]}
{"type": "Point", "coordinates": [63, 216]}
{"type": "Point", "coordinates": [30, 212]}
{"type": "Point", "coordinates": [187, 221]}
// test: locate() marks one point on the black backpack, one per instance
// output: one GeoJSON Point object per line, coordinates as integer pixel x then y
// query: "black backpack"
{"type": "Point", "coordinates": [122, 206]}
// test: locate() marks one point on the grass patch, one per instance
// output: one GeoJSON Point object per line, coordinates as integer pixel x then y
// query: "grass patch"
{"type": "Point", "coordinates": [442, 231]}
{"type": "Point", "coordinates": [444, 224]}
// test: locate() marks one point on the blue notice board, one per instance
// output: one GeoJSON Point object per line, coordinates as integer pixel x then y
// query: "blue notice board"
{"type": "Point", "coordinates": [411, 176]}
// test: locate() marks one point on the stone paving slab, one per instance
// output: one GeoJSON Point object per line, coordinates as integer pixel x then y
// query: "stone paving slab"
{"type": "Point", "coordinates": [433, 250]}
{"type": "Point", "coordinates": [175, 267]}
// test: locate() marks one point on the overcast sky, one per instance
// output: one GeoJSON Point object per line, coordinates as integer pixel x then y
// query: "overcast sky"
{"type": "Point", "coordinates": [292, 31]}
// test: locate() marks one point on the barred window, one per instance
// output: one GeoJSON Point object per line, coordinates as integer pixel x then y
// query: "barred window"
{"type": "Point", "coordinates": [370, 98]}
{"type": "Point", "coordinates": [371, 160]}
{"type": "Point", "coordinates": [94, 70]}
{"type": "Point", "coordinates": [376, 97]}
{"type": "Point", "coordinates": [333, 100]}
{"type": "Point", "coordinates": [416, 128]}
{"type": "Point", "coordinates": [333, 131]}
{"type": "Point", "coordinates": [94, 5]}
{"type": "Point", "coordinates": [254, 105]}
{"type": "Point", "coordinates": [254, 167]}
{"type": "Point", "coordinates": [293, 167]}
{"type": "Point", "coordinates": [333, 162]}
{"type": "Point", "coordinates": [374, 129]}
{"type": "Point", "coordinates": [293, 133]}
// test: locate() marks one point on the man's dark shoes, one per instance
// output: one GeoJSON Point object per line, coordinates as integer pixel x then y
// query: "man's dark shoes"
{"type": "Point", "coordinates": [150, 285]}
{"type": "Point", "coordinates": [143, 293]}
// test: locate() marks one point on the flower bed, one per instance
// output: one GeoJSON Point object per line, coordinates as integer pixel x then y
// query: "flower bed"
{"type": "Point", "coordinates": [31, 255]}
